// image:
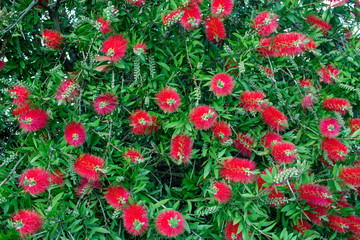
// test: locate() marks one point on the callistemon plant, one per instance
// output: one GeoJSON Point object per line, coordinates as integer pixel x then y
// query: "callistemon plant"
{"type": "Point", "coordinates": [115, 47]}
{"type": "Point", "coordinates": [181, 149]}
{"type": "Point", "coordinates": [265, 23]}
{"type": "Point", "coordinates": [170, 223]}
{"type": "Point", "coordinates": [168, 100]}
{"type": "Point", "coordinates": [222, 192]}
{"type": "Point", "coordinates": [103, 25]}
{"type": "Point", "coordinates": [133, 156]}
{"type": "Point", "coordinates": [203, 117]}
{"type": "Point", "coordinates": [252, 101]}
{"type": "Point", "coordinates": [27, 222]}
{"type": "Point", "coordinates": [135, 218]}
{"type": "Point", "coordinates": [52, 38]}
{"type": "Point", "coordinates": [117, 196]}
{"type": "Point", "coordinates": [231, 231]}
{"type": "Point", "coordinates": [172, 17]}
{"type": "Point", "coordinates": [191, 17]}
{"type": "Point", "coordinates": [105, 103]}
{"type": "Point", "coordinates": [222, 8]}
{"type": "Point", "coordinates": [221, 131]}
{"type": "Point", "coordinates": [318, 23]}
{"type": "Point", "coordinates": [238, 170]}
{"type": "Point", "coordinates": [75, 134]}
{"type": "Point", "coordinates": [35, 181]}
{"type": "Point", "coordinates": [215, 29]}
{"type": "Point", "coordinates": [222, 84]}
{"type": "Point", "coordinates": [20, 94]}
{"type": "Point", "coordinates": [67, 90]}
{"type": "Point", "coordinates": [140, 48]}
{"type": "Point", "coordinates": [33, 120]}
{"type": "Point", "coordinates": [89, 166]}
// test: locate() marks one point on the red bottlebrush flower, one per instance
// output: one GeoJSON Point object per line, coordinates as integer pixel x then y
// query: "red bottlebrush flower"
{"type": "Point", "coordinates": [319, 23]}
{"type": "Point", "coordinates": [342, 203]}
{"type": "Point", "coordinates": [168, 100]}
{"type": "Point", "coordinates": [117, 196]}
{"type": "Point", "coordinates": [87, 166]}
{"type": "Point", "coordinates": [302, 226]}
{"type": "Point", "coordinates": [339, 105]}
{"type": "Point", "coordinates": [222, 8]}
{"type": "Point", "coordinates": [276, 120]}
{"type": "Point", "coordinates": [137, 3]}
{"type": "Point", "coordinates": [105, 103]}
{"type": "Point", "coordinates": [140, 121]}
{"type": "Point", "coordinates": [338, 224]}
{"type": "Point", "coordinates": [33, 120]}
{"type": "Point", "coordinates": [252, 101]}
{"type": "Point", "coordinates": [265, 23]}
{"type": "Point", "coordinates": [170, 223]}
{"type": "Point", "coordinates": [336, 150]}
{"type": "Point", "coordinates": [85, 185]}
{"type": "Point", "coordinates": [134, 156]}
{"type": "Point", "coordinates": [75, 134]}
{"type": "Point", "coordinates": [354, 224]}
{"type": "Point", "coordinates": [67, 90]}
{"type": "Point", "coordinates": [316, 195]}
{"type": "Point", "coordinates": [266, 71]}
{"type": "Point", "coordinates": [203, 117]}
{"type": "Point", "coordinates": [181, 149]}
{"type": "Point", "coordinates": [351, 175]}
{"type": "Point", "coordinates": [135, 219]}
{"type": "Point", "coordinates": [222, 192]}
{"type": "Point", "coordinates": [284, 152]}
{"type": "Point", "coordinates": [231, 231]}
{"type": "Point", "coordinates": [104, 25]}
{"type": "Point", "coordinates": [328, 74]}
{"type": "Point", "coordinates": [354, 124]}
{"type": "Point", "coordinates": [27, 222]}
{"type": "Point", "coordinates": [140, 48]}
{"type": "Point", "coordinates": [306, 83]}
{"type": "Point", "coordinates": [238, 170]}
{"type": "Point", "coordinates": [172, 17]}
{"type": "Point", "coordinates": [244, 143]}
{"type": "Point", "coordinates": [20, 94]}
{"type": "Point", "coordinates": [154, 125]}
{"type": "Point", "coordinates": [222, 84]}
{"type": "Point", "coordinates": [20, 109]}
{"type": "Point", "coordinates": [52, 38]}
{"type": "Point", "coordinates": [57, 178]}
{"type": "Point", "coordinates": [2, 65]}
{"type": "Point", "coordinates": [307, 101]}
{"type": "Point", "coordinates": [329, 127]}
{"type": "Point", "coordinates": [270, 139]}
{"type": "Point", "coordinates": [115, 47]}
{"type": "Point", "coordinates": [191, 17]}
{"type": "Point", "coordinates": [276, 197]}
{"type": "Point", "coordinates": [215, 29]}
{"type": "Point", "coordinates": [316, 214]}
{"type": "Point", "coordinates": [34, 181]}
{"type": "Point", "coordinates": [221, 131]}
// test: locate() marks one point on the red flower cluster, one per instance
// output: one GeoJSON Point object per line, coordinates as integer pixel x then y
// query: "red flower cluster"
{"type": "Point", "coordinates": [238, 170]}
{"type": "Point", "coordinates": [75, 134]}
{"type": "Point", "coordinates": [244, 143]}
{"type": "Point", "coordinates": [316, 213]}
{"type": "Point", "coordinates": [203, 117]}
{"type": "Point", "coordinates": [192, 16]}
{"type": "Point", "coordinates": [329, 127]}
{"type": "Point", "coordinates": [339, 105]}
{"type": "Point", "coordinates": [307, 101]}
{"type": "Point", "coordinates": [338, 224]}
{"type": "Point", "coordinates": [142, 123]}
{"type": "Point", "coordinates": [117, 196]}
{"type": "Point", "coordinates": [265, 23]}
{"type": "Point", "coordinates": [135, 218]}
{"type": "Point", "coordinates": [267, 71]}
{"type": "Point", "coordinates": [20, 94]}
{"type": "Point", "coordinates": [27, 222]}
{"type": "Point", "coordinates": [172, 17]}
{"type": "Point", "coordinates": [319, 23]}
{"type": "Point", "coordinates": [134, 156]}
{"type": "Point", "coordinates": [2, 65]}
{"type": "Point", "coordinates": [87, 166]}
{"type": "Point", "coordinates": [85, 185]}
{"type": "Point", "coordinates": [222, 192]}
{"type": "Point", "coordinates": [181, 149]}
{"type": "Point", "coordinates": [104, 25]}
{"type": "Point", "coordinates": [335, 150]}
{"type": "Point", "coordinates": [351, 175]}
{"type": "Point", "coordinates": [67, 90]}
{"type": "Point", "coordinates": [137, 3]}
{"type": "Point", "coordinates": [316, 195]}
{"type": "Point", "coordinates": [170, 223]}
{"type": "Point", "coordinates": [57, 178]}
{"type": "Point", "coordinates": [301, 226]}
{"type": "Point", "coordinates": [215, 29]}
{"type": "Point", "coordinates": [168, 100]}
{"type": "Point", "coordinates": [140, 48]}
{"type": "Point", "coordinates": [33, 120]}
{"type": "Point", "coordinates": [105, 103]}
{"type": "Point", "coordinates": [20, 109]}
{"type": "Point", "coordinates": [35, 181]}
{"type": "Point", "coordinates": [115, 47]}
{"type": "Point", "coordinates": [231, 230]}
{"type": "Point", "coordinates": [221, 131]}
{"type": "Point", "coordinates": [354, 224]}
{"type": "Point", "coordinates": [276, 120]}
{"type": "Point", "coordinates": [222, 84]}
{"type": "Point", "coordinates": [306, 83]}
{"type": "Point", "coordinates": [284, 152]}
{"type": "Point", "coordinates": [270, 139]}
{"type": "Point", "coordinates": [52, 38]}
{"type": "Point", "coordinates": [328, 74]}
{"type": "Point", "coordinates": [354, 124]}
{"type": "Point", "coordinates": [252, 101]}
{"type": "Point", "coordinates": [222, 8]}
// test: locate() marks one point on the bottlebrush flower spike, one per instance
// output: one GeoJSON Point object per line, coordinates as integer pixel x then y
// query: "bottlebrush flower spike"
{"type": "Point", "coordinates": [270, 139]}
{"type": "Point", "coordinates": [140, 122]}
{"type": "Point", "coordinates": [273, 117]}
{"type": "Point", "coordinates": [354, 224]}
{"type": "Point", "coordinates": [75, 134]}
{"type": "Point", "coordinates": [215, 29]}
{"type": "Point", "coordinates": [336, 150]}
{"type": "Point", "coordinates": [137, 3]}
{"type": "Point", "coordinates": [20, 94]}
{"type": "Point", "coordinates": [316, 214]}
{"type": "Point", "coordinates": [351, 175]}
{"type": "Point", "coordinates": [103, 25]}
{"type": "Point", "coordinates": [306, 83]}
{"type": "Point", "coordinates": [20, 109]}
{"type": "Point", "coordinates": [284, 152]}
{"type": "Point", "coordinates": [134, 156]}
{"type": "Point", "coordinates": [117, 196]}
{"type": "Point", "coordinates": [222, 192]}
{"type": "Point", "coordinates": [307, 101]}
{"type": "Point", "coordinates": [52, 38]}
{"type": "Point", "coordinates": [2, 65]}
{"type": "Point", "coordinates": [329, 127]}
{"type": "Point", "coordinates": [191, 17]}
{"type": "Point", "coordinates": [87, 166]}
{"type": "Point", "coordinates": [231, 230]}
{"type": "Point", "coordinates": [67, 90]}
{"type": "Point", "coordinates": [301, 226]}
{"type": "Point", "coordinates": [135, 219]}
{"type": "Point", "coordinates": [115, 47]}
{"type": "Point", "coordinates": [354, 124]}
{"type": "Point", "coordinates": [244, 143]}
{"type": "Point", "coordinates": [27, 222]}
{"type": "Point", "coordinates": [170, 223]}
{"type": "Point", "coordinates": [328, 74]}
{"type": "Point", "coordinates": [339, 105]}
{"type": "Point", "coordinates": [34, 181]}
{"type": "Point", "coordinates": [172, 17]}
{"type": "Point", "coordinates": [33, 120]}
{"type": "Point", "coordinates": [238, 170]}
{"type": "Point", "coordinates": [181, 149]}
{"type": "Point", "coordinates": [105, 103]}
{"type": "Point", "coordinates": [342, 203]}
{"type": "Point", "coordinates": [266, 71]}
{"type": "Point", "coordinates": [319, 23]}
{"type": "Point", "coordinates": [140, 49]}
{"type": "Point", "coordinates": [57, 178]}
{"type": "Point", "coordinates": [221, 131]}
{"type": "Point", "coordinates": [222, 8]}
{"type": "Point", "coordinates": [265, 23]}
{"type": "Point", "coordinates": [252, 101]}
{"type": "Point", "coordinates": [203, 117]}
{"type": "Point", "coordinates": [86, 185]}
{"type": "Point", "coordinates": [168, 100]}
{"type": "Point", "coordinates": [222, 84]}
{"type": "Point", "coordinates": [316, 195]}
{"type": "Point", "coordinates": [338, 224]}
{"type": "Point", "coordinates": [154, 125]}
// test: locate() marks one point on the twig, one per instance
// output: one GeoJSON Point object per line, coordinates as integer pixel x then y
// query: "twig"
{"type": "Point", "coordinates": [154, 200]}
{"type": "Point", "coordinates": [13, 170]}
{"type": "Point", "coordinates": [107, 140]}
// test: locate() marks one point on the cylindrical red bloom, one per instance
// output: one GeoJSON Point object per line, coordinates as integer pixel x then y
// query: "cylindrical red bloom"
{"type": "Point", "coordinates": [20, 94]}
{"type": "Point", "coordinates": [252, 101]}
{"type": "Point", "coordinates": [135, 219]}
{"type": "Point", "coordinates": [222, 192]}
{"type": "Point", "coordinates": [342, 203]}
{"type": "Point", "coordinates": [222, 84]}
{"type": "Point", "coordinates": [354, 224]}
{"type": "Point", "coordinates": [115, 47]}
{"type": "Point", "coordinates": [284, 152]}
{"type": "Point", "coordinates": [339, 105]}
{"type": "Point", "coordinates": [351, 175]}
{"type": "Point", "coordinates": [137, 3]}
{"type": "Point", "coordinates": [306, 83]}
{"type": "Point", "coordinates": [104, 25]}
{"type": "Point", "coordinates": [221, 131]}
{"type": "Point", "coordinates": [354, 124]}
{"type": "Point", "coordinates": [34, 181]}
{"type": "Point", "coordinates": [140, 122]}
{"type": "Point", "coordinates": [276, 120]}
{"type": "Point", "coordinates": [134, 156]}
{"type": "Point", "coordinates": [316, 213]}
{"type": "Point", "coordinates": [140, 48]}
{"type": "Point", "coordinates": [191, 17]}
{"type": "Point", "coordinates": [328, 74]}
{"type": "Point", "coordinates": [319, 23]}
{"type": "Point", "coordinates": [231, 231]}
{"type": "Point", "coordinates": [238, 170]}
{"type": "Point", "coordinates": [172, 17]}
{"type": "Point", "coordinates": [301, 226]}
{"type": "Point", "coordinates": [244, 143]}
{"type": "Point", "coordinates": [307, 101]}
{"type": "Point", "coordinates": [85, 185]}
{"type": "Point", "coordinates": [315, 194]}
{"type": "Point", "coordinates": [270, 139]}
{"type": "Point", "coordinates": [27, 222]}
{"type": "Point", "coordinates": [33, 120]}
{"type": "Point", "coordinates": [329, 127]}
{"type": "Point", "coordinates": [87, 166]}
{"type": "Point", "coordinates": [338, 224]}
{"type": "Point", "coordinates": [215, 29]}
{"type": "Point", "coordinates": [170, 223]}
{"type": "Point", "coordinates": [52, 38]}
{"type": "Point", "coordinates": [67, 90]}
{"type": "Point", "coordinates": [20, 109]}
{"type": "Point", "coordinates": [265, 23]}
{"type": "Point", "coordinates": [168, 100]}
{"type": "Point", "coordinates": [203, 117]}
{"type": "Point", "coordinates": [2, 65]}
{"type": "Point", "coordinates": [105, 103]}
{"type": "Point", "coordinates": [57, 178]}
{"type": "Point", "coordinates": [117, 196]}
{"type": "Point", "coordinates": [75, 134]}
{"type": "Point", "coordinates": [181, 149]}
{"type": "Point", "coordinates": [335, 150]}
{"type": "Point", "coordinates": [222, 8]}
